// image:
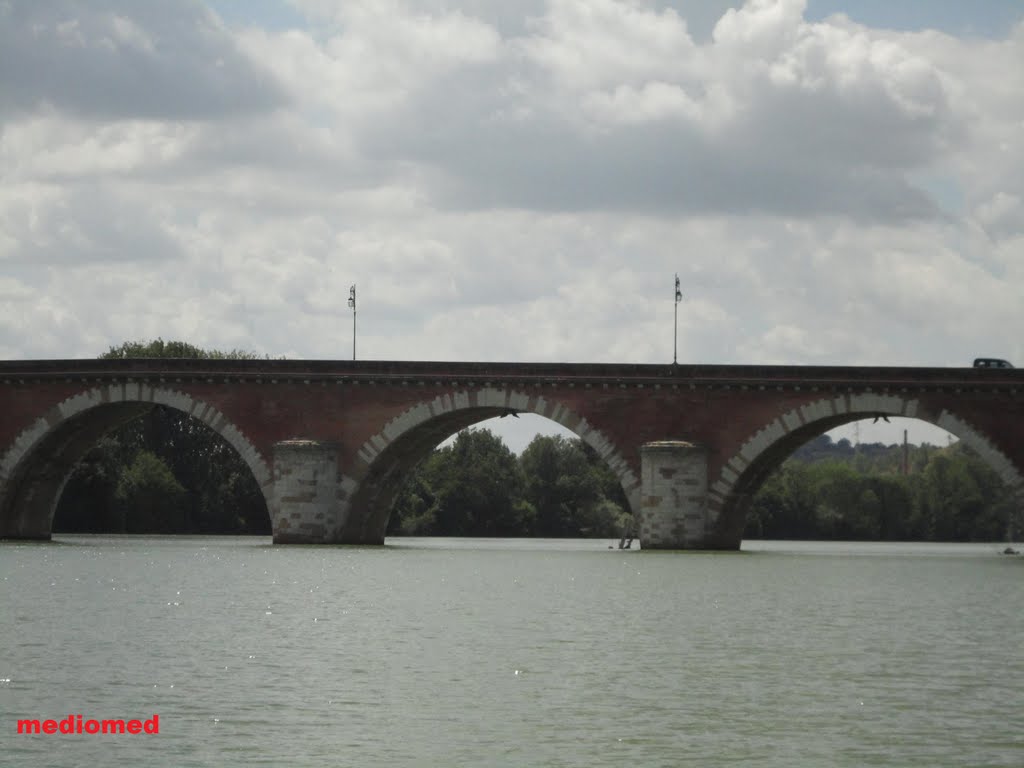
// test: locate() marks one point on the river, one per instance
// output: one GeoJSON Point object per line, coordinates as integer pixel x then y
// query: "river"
{"type": "Point", "coordinates": [470, 652]}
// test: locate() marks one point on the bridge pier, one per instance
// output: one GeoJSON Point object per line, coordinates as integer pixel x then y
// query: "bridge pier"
{"type": "Point", "coordinates": [306, 505]}
{"type": "Point", "coordinates": [674, 495]}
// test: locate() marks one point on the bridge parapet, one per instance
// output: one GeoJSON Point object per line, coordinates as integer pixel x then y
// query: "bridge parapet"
{"type": "Point", "coordinates": [878, 378]}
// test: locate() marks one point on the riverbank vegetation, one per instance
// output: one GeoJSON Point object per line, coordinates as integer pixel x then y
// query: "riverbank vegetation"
{"type": "Point", "coordinates": [477, 487]}
{"type": "Point", "coordinates": [826, 490]}
{"type": "Point", "coordinates": [834, 490]}
{"type": "Point", "coordinates": [163, 472]}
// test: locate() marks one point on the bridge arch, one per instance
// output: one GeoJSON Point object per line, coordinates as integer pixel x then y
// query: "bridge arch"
{"type": "Point", "coordinates": [36, 466]}
{"type": "Point", "coordinates": [385, 460]}
{"type": "Point", "coordinates": [731, 493]}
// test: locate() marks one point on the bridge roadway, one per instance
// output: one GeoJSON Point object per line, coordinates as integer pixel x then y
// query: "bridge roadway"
{"type": "Point", "coordinates": [330, 442]}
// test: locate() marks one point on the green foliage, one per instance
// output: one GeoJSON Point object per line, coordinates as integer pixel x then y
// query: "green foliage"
{"type": "Point", "coordinates": [833, 491]}
{"type": "Point", "coordinates": [151, 500]}
{"type": "Point", "coordinates": [88, 503]}
{"type": "Point", "coordinates": [477, 487]}
{"type": "Point", "coordinates": [175, 349]}
{"type": "Point", "coordinates": [568, 488]}
{"type": "Point", "coordinates": [470, 488]}
{"type": "Point", "coordinates": [218, 492]}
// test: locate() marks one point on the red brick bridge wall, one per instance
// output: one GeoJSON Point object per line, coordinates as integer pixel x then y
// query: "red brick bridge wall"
{"type": "Point", "coordinates": [384, 416]}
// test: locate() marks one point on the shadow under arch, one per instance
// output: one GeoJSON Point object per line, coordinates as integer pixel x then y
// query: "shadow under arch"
{"type": "Point", "coordinates": [386, 459]}
{"type": "Point", "coordinates": [36, 467]}
{"type": "Point", "coordinates": [743, 474]}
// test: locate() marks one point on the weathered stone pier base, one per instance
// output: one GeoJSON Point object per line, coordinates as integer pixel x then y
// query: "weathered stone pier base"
{"type": "Point", "coordinates": [306, 507]}
{"type": "Point", "coordinates": [673, 491]}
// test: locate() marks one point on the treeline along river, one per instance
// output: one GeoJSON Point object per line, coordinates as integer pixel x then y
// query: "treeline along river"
{"type": "Point", "coordinates": [177, 476]}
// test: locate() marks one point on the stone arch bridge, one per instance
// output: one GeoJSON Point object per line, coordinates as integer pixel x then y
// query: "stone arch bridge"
{"type": "Point", "coordinates": [330, 442]}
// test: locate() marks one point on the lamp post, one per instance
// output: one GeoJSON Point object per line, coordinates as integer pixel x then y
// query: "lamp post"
{"type": "Point", "coordinates": [352, 303]}
{"type": "Point", "coordinates": [675, 337]}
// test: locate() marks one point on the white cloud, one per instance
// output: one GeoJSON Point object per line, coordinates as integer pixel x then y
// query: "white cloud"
{"type": "Point", "coordinates": [510, 184]}
{"type": "Point", "coordinates": [105, 59]}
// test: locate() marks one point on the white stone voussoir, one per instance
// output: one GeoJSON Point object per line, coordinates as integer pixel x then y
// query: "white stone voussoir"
{"type": "Point", "coordinates": [991, 455]}
{"type": "Point", "coordinates": [29, 439]}
{"type": "Point", "coordinates": [490, 398]}
{"type": "Point", "coordinates": [867, 404]}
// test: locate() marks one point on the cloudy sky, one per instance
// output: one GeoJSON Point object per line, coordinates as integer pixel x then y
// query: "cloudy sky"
{"type": "Point", "coordinates": [834, 182]}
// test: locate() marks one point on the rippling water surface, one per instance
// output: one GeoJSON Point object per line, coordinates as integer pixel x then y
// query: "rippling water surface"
{"type": "Point", "coordinates": [443, 652]}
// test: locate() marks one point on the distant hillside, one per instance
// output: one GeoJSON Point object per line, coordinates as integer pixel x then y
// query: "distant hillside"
{"type": "Point", "coordinates": [866, 457]}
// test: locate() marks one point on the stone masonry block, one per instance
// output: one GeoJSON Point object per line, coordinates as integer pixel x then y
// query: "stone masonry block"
{"type": "Point", "coordinates": [674, 493]}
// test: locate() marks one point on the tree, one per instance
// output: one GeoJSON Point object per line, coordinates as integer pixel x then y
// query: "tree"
{"type": "Point", "coordinates": [846, 507]}
{"type": "Point", "coordinates": [220, 495]}
{"type": "Point", "coordinates": [88, 503]}
{"type": "Point", "coordinates": [176, 349]}
{"type": "Point", "coordinates": [470, 488]}
{"type": "Point", "coordinates": [571, 490]}
{"type": "Point", "coordinates": [830, 490]}
{"type": "Point", "coordinates": [477, 487]}
{"type": "Point", "coordinates": [150, 498]}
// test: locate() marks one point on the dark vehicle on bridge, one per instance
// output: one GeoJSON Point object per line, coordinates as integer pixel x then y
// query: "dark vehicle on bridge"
{"type": "Point", "coordinates": [990, 362]}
